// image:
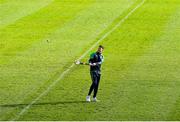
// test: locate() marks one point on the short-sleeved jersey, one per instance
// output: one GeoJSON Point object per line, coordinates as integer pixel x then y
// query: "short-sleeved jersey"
{"type": "Point", "coordinates": [97, 58]}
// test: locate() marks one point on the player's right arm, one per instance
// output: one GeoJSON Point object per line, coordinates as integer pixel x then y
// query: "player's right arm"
{"type": "Point", "coordinates": [91, 59]}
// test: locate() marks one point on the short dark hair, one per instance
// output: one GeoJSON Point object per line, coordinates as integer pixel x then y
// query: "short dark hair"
{"type": "Point", "coordinates": [100, 46]}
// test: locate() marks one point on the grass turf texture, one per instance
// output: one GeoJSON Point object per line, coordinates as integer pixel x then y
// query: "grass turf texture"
{"type": "Point", "coordinates": [140, 75]}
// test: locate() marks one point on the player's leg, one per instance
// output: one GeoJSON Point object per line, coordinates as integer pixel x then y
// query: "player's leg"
{"type": "Point", "coordinates": [94, 81]}
{"type": "Point", "coordinates": [98, 76]}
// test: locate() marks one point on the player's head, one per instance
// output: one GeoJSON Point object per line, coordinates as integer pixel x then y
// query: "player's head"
{"type": "Point", "coordinates": [100, 49]}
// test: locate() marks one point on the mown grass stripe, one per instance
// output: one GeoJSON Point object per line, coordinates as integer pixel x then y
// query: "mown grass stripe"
{"type": "Point", "coordinates": [12, 11]}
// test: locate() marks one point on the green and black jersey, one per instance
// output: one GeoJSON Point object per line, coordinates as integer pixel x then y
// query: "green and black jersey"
{"type": "Point", "coordinates": [97, 58]}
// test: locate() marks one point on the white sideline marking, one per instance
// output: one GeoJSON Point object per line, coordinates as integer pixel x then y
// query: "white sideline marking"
{"type": "Point", "coordinates": [66, 71]}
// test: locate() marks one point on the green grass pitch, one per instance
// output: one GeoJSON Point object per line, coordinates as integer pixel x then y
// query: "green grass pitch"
{"type": "Point", "coordinates": [40, 39]}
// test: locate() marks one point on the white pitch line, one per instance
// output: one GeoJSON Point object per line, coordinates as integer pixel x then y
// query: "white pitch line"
{"type": "Point", "coordinates": [67, 70]}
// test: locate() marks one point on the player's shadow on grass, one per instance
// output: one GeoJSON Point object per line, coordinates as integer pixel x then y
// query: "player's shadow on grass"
{"type": "Point", "coordinates": [45, 103]}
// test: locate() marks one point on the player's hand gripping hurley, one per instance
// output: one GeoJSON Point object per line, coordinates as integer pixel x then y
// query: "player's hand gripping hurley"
{"type": "Point", "coordinates": [77, 62]}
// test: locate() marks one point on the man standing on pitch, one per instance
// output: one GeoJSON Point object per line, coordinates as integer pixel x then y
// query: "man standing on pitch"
{"type": "Point", "coordinates": [95, 62]}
